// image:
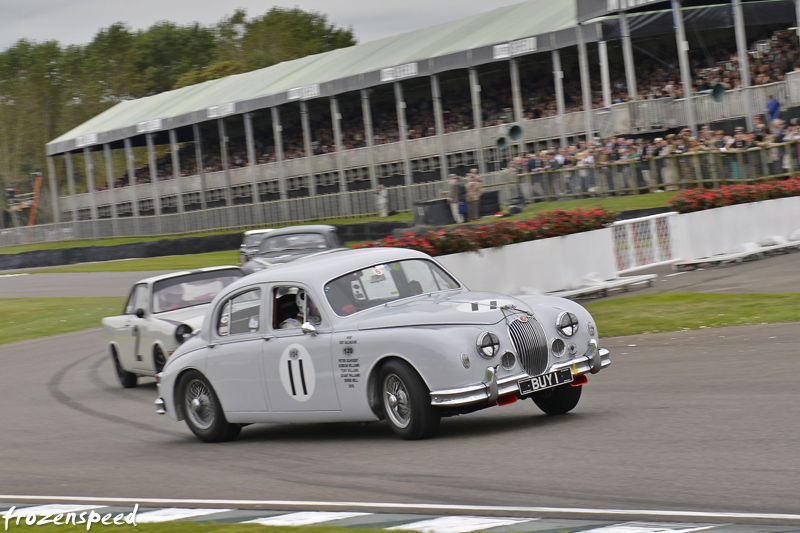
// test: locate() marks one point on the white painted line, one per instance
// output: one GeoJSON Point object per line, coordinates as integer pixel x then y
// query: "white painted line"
{"type": "Point", "coordinates": [305, 518]}
{"type": "Point", "coordinates": [651, 527]}
{"type": "Point", "coordinates": [165, 515]}
{"type": "Point", "coordinates": [406, 506]}
{"type": "Point", "coordinates": [12, 275]}
{"type": "Point", "coordinates": [460, 524]}
{"type": "Point", "coordinates": [54, 509]}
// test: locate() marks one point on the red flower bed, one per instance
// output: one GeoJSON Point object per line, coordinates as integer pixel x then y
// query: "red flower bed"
{"type": "Point", "coordinates": [699, 199]}
{"type": "Point", "coordinates": [472, 238]}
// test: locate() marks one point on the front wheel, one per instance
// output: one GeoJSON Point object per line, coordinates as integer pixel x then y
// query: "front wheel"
{"type": "Point", "coordinates": [202, 410]}
{"type": "Point", "coordinates": [126, 379]}
{"type": "Point", "coordinates": [558, 400]}
{"type": "Point", "coordinates": [406, 402]}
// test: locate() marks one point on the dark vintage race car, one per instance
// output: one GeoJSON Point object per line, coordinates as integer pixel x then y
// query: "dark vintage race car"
{"type": "Point", "coordinates": [285, 245]}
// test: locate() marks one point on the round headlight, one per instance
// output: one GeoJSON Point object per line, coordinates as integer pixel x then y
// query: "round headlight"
{"type": "Point", "coordinates": [182, 333]}
{"type": "Point", "coordinates": [567, 324]}
{"type": "Point", "coordinates": [488, 344]}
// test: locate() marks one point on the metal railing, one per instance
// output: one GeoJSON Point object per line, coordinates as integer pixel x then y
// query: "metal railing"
{"type": "Point", "coordinates": [673, 172]}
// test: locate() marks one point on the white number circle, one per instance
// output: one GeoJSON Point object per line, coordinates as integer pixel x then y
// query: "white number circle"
{"type": "Point", "coordinates": [297, 372]}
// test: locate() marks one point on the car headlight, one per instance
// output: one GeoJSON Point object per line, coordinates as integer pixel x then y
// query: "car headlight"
{"type": "Point", "coordinates": [567, 324]}
{"type": "Point", "coordinates": [182, 333]}
{"type": "Point", "coordinates": [488, 344]}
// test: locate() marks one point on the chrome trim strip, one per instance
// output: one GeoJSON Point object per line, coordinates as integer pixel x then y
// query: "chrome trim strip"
{"type": "Point", "coordinates": [160, 406]}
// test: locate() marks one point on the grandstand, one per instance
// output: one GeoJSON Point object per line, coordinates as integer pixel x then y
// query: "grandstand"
{"type": "Point", "coordinates": [313, 137]}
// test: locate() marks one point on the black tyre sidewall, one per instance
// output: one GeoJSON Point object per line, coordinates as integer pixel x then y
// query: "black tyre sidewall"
{"type": "Point", "coordinates": [424, 418]}
{"type": "Point", "coordinates": [126, 379]}
{"type": "Point", "coordinates": [156, 366]}
{"type": "Point", "coordinates": [558, 400]}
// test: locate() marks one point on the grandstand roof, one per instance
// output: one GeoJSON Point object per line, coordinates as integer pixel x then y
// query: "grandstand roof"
{"type": "Point", "coordinates": [528, 27]}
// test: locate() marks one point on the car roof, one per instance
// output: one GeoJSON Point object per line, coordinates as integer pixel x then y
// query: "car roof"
{"type": "Point", "coordinates": [259, 231]}
{"type": "Point", "coordinates": [180, 273]}
{"type": "Point", "coordinates": [319, 268]}
{"type": "Point", "coordinates": [311, 228]}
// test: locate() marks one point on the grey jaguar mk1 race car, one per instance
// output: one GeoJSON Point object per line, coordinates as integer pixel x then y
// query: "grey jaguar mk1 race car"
{"type": "Point", "coordinates": [365, 335]}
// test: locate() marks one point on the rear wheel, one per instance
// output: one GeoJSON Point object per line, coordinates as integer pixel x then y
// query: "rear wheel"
{"type": "Point", "coordinates": [558, 400]}
{"type": "Point", "coordinates": [126, 379]}
{"type": "Point", "coordinates": [202, 410]}
{"type": "Point", "coordinates": [406, 402]}
{"type": "Point", "coordinates": [159, 360]}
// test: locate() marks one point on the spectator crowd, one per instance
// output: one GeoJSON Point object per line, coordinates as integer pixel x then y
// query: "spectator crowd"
{"type": "Point", "coordinates": [770, 60]}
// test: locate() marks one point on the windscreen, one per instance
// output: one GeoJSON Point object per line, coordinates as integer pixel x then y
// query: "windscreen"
{"type": "Point", "coordinates": [384, 283]}
{"type": "Point", "coordinates": [294, 242]}
{"type": "Point", "coordinates": [192, 289]}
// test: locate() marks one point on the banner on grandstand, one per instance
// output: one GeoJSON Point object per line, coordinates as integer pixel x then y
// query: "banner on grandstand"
{"type": "Point", "coordinates": [590, 9]}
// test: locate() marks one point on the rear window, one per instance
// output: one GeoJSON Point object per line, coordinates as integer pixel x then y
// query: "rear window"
{"type": "Point", "coordinates": [384, 283]}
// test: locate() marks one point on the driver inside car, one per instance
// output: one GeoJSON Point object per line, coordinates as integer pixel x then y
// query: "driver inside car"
{"type": "Point", "coordinates": [307, 311]}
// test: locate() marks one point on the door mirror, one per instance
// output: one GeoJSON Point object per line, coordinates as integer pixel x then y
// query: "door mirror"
{"type": "Point", "coordinates": [140, 312]}
{"type": "Point", "coordinates": [308, 328]}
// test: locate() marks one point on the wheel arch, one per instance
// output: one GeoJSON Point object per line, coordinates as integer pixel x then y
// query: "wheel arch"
{"type": "Point", "coordinates": [176, 389]}
{"type": "Point", "coordinates": [373, 392]}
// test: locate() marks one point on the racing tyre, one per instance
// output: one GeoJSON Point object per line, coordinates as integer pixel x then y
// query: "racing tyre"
{"type": "Point", "coordinates": [406, 402]}
{"type": "Point", "coordinates": [158, 359]}
{"type": "Point", "coordinates": [202, 410]}
{"type": "Point", "coordinates": [126, 379]}
{"type": "Point", "coordinates": [558, 400]}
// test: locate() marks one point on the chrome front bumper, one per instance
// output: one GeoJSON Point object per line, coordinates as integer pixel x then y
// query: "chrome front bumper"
{"type": "Point", "coordinates": [492, 388]}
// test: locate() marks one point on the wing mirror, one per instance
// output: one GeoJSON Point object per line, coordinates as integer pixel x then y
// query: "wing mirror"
{"type": "Point", "coordinates": [140, 312]}
{"type": "Point", "coordinates": [308, 328]}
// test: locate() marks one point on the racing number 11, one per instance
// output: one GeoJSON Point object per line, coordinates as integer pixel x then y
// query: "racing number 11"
{"type": "Point", "coordinates": [300, 372]}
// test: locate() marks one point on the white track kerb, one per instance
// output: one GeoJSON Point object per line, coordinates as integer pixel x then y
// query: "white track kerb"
{"type": "Point", "coordinates": [89, 502]}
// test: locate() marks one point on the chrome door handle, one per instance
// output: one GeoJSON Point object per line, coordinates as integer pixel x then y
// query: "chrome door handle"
{"type": "Point", "coordinates": [268, 337]}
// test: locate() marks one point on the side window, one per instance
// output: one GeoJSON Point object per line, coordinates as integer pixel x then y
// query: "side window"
{"type": "Point", "coordinates": [241, 314]}
{"type": "Point", "coordinates": [137, 300]}
{"type": "Point", "coordinates": [292, 306]}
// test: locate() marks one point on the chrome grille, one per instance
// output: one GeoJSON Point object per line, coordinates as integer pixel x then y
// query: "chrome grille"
{"type": "Point", "coordinates": [531, 344]}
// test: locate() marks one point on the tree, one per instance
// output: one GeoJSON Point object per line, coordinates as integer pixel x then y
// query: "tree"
{"type": "Point", "coordinates": [47, 90]}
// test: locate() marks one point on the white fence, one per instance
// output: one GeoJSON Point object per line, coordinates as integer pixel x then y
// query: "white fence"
{"type": "Point", "coordinates": [560, 263]}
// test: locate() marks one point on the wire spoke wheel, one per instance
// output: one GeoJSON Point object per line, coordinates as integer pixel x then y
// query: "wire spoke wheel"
{"type": "Point", "coordinates": [396, 398]}
{"type": "Point", "coordinates": [202, 409]}
{"type": "Point", "coordinates": [200, 404]}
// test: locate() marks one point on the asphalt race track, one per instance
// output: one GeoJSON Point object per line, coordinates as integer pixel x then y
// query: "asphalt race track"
{"type": "Point", "coordinates": [698, 421]}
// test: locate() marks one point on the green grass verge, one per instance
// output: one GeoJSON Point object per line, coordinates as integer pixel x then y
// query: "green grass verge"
{"type": "Point", "coordinates": [19, 248]}
{"type": "Point", "coordinates": [168, 262]}
{"type": "Point", "coordinates": [180, 527]}
{"type": "Point", "coordinates": [613, 203]}
{"type": "Point", "coordinates": [28, 318]}
{"type": "Point", "coordinates": [656, 313]}
{"type": "Point", "coordinates": [31, 318]}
